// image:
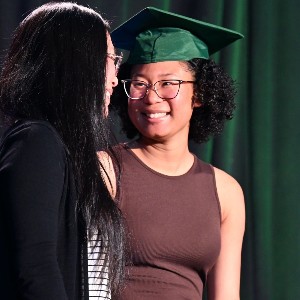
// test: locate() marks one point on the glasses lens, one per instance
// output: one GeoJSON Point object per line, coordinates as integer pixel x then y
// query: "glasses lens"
{"type": "Point", "coordinates": [135, 89]}
{"type": "Point", "coordinates": [167, 89]}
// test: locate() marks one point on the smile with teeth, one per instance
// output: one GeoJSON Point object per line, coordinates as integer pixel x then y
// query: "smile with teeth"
{"type": "Point", "coordinates": [156, 115]}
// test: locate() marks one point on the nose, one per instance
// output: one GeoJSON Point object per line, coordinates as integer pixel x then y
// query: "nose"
{"type": "Point", "coordinates": [151, 96]}
{"type": "Point", "coordinates": [114, 81]}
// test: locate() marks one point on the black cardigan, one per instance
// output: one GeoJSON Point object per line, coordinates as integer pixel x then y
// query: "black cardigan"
{"type": "Point", "coordinates": [42, 238]}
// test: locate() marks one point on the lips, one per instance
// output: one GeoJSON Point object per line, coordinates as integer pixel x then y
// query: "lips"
{"type": "Point", "coordinates": [107, 94]}
{"type": "Point", "coordinates": [106, 102]}
{"type": "Point", "coordinates": [107, 97]}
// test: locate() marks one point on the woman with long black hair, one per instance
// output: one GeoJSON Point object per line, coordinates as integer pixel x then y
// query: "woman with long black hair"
{"type": "Point", "coordinates": [55, 87]}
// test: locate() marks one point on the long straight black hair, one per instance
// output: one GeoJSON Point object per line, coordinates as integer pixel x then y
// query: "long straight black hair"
{"type": "Point", "coordinates": [55, 71]}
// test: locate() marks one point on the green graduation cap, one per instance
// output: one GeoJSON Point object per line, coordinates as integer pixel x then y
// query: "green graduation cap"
{"type": "Point", "coordinates": [154, 35]}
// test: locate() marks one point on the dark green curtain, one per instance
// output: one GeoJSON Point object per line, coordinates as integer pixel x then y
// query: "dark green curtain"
{"type": "Point", "coordinates": [260, 147]}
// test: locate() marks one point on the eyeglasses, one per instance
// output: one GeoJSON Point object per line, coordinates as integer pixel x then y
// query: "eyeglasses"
{"type": "Point", "coordinates": [165, 89]}
{"type": "Point", "coordinates": [117, 59]}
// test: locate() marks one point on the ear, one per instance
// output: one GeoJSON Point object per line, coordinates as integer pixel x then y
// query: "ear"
{"type": "Point", "coordinates": [196, 104]}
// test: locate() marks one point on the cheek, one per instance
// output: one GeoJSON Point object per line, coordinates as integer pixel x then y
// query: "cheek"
{"type": "Point", "coordinates": [133, 110]}
{"type": "Point", "coordinates": [110, 70]}
{"type": "Point", "coordinates": [108, 73]}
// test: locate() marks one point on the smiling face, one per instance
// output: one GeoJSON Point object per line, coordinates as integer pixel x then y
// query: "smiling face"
{"type": "Point", "coordinates": [161, 119]}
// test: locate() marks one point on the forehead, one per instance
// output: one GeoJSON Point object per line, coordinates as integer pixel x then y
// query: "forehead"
{"type": "Point", "coordinates": [110, 46]}
{"type": "Point", "coordinates": [161, 68]}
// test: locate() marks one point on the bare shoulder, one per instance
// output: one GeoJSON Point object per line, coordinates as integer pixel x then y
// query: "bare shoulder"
{"type": "Point", "coordinates": [107, 171]}
{"type": "Point", "coordinates": [105, 159]}
{"type": "Point", "coordinates": [230, 193]}
{"type": "Point", "coordinates": [224, 279]}
{"type": "Point", "coordinates": [226, 182]}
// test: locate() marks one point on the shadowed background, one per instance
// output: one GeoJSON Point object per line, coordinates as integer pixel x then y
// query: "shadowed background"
{"type": "Point", "coordinates": [260, 147]}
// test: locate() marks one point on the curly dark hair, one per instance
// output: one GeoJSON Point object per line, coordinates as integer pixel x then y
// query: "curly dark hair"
{"type": "Point", "coordinates": [214, 89]}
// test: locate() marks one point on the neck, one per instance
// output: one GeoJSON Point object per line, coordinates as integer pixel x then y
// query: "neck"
{"type": "Point", "coordinates": [169, 158]}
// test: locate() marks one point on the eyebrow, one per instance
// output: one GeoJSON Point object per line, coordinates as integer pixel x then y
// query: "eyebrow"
{"type": "Point", "coordinates": [160, 75]}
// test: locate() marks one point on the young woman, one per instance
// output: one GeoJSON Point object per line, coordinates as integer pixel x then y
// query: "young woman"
{"type": "Point", "coordinates": [55, 87]}
{"type": "Point", "coordinates": [185, 218]}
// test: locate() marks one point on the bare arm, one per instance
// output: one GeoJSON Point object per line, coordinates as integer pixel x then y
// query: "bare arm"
{"type": "Point", "coordinates": [224, 278]}
{"type": "Point", "coordinates": [107, 172]}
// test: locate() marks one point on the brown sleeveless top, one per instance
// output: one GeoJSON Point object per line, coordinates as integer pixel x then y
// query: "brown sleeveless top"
{"type": "Point", "coordinates": [173, 225]}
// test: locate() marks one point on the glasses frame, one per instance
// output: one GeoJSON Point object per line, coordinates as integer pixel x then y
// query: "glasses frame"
{"type": "Point", "coordinates": [149, 85]}
{"type": "Point", "coordinates": [117, 59]}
